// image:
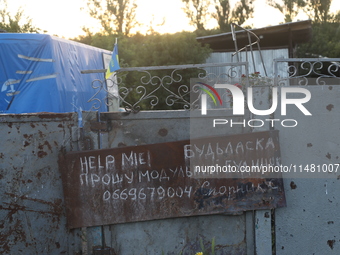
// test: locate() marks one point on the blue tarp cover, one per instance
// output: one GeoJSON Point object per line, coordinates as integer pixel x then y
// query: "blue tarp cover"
{"type": "Point", "coordinates": [42, 73]}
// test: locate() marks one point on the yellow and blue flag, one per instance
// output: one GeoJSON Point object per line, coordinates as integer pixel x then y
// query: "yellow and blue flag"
{"type": "Point", "coordinates": [114, 63]}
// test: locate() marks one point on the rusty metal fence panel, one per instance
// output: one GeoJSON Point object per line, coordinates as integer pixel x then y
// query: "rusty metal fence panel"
{"type": "Point", "coordinates": [32, 213]}
{"type": "Point", "coordinates": [174, 235]}
{"type": "Point", "coordinates": [310, 223]}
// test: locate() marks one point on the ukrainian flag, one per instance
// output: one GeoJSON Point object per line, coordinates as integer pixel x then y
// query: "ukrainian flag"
{"type": "Point", "coordinates": [114, 63]}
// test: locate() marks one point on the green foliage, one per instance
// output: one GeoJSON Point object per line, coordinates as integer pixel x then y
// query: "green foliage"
{"type": "Point", "coordinates": [242, 11]}
{"type": "Point", "coordinates": [225, 13]}
{"type": "Point", "coordinates": [204, 250]}
{"type": "Point", "coordinates": [319, 10]}
{"type": "Point", "coordinates": [197, 12]}
{"type": "Point", "coordinates": [154, 50]}
{"type": "Point", "coordinates": [17, 23]}
{"type": "Point", "coordinates": [115, 16]}
{"type": "Point", "coordinates": [289, 8]}
{"type": "Point", "coordinates": [325, 41]}
{"type": "Point", "coordinates": [160, 50]}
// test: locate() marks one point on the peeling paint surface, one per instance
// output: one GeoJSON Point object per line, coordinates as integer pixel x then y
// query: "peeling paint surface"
{"type": "Point", "coordinates": [32, 213]}
{"type": "Point", "coordinates": [155, 181]}
{"type": "Point", "coordinates": [310, 223]}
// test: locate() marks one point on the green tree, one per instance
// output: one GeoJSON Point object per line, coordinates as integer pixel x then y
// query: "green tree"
{"type": "Point", "coordinates": [319, 10]}
{"type": "Point", "coordinates": [115, 16]}
{"type": "Point", "coordinates": [325, 41]}
{"type": "Point", "coordinates": [289, 8]}
{"type": "Point", "coordinates": [225, 14]}
{"type": "Point", "coordinates": [197, 12]}
{"type": "Point", "coordinates": [325, 31]}
{"type": "Point", "coordinates": [152, 50]}
{"type": "Point", "coordinates": [17, 23]}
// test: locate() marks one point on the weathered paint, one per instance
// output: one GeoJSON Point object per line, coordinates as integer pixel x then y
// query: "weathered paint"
{"type": "Point", "coordinates": [32, 212]}
{"type": "Point", "coordinates": [173, 235]}
{"type": "Point", "coordinates": [310, 223]}
{"type": "Point", "coordinates": [157, 181]}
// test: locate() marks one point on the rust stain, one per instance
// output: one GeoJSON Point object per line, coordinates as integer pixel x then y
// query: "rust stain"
{"type": "Point", "coordinates": [41, 134]}
{"type": "Point", "coordinates": [50, 115]}
{"type": "Point", "coordinates": [26, 136]}
{"type": "Point", "coordinates": [328, 155]}
{"type": "Point", "coordinates": [293, 185]}
{"type": "Point", "coordinates": [163, 132]}
{"type": "Point", "coordinates": [46, 143]}
{"type": "Point", "coordinates": [32, 125]}
{"type": "Point", "coordinates": [16, 232]}
{"type": "Point", "coordinates": [39, 175]}
{"type": "Point", "coordinates": [330, 87]}
{"type": "Point", "coordinates": [329, 107]}
{"type": "Point", "coordinates": [121, 145]}
{"type": "Point", "coordinates": [309, 145]}
{"type": "Point", "coordinates": [331, 243]}
{"type": "Point", "coordinates": [42, 154]}
{"type": "Point", "coordinates": [56, 207]}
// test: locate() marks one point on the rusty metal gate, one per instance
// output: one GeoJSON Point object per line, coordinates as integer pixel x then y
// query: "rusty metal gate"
{"type": "Point", "coordinates": [175, 235]}
{"type": "Point", "coordinates": [32, 218]}
{"type": "Point", "coordinates": [132, 127]}
{"type": "Point", "coordinates": [33, 215]}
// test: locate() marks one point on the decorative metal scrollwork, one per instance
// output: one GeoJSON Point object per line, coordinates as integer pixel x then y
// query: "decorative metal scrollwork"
{"type": "Point", "coordinates": [308, 71]}
{"type": "Point", "coordinates": [168, 87]}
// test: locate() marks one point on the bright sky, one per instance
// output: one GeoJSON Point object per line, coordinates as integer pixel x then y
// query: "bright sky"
{"type": "Point", "coordinates": [65, 17]}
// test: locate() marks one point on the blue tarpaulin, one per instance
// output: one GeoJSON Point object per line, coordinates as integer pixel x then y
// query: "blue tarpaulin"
{"type": "Point", "coordinates": [42, 73]}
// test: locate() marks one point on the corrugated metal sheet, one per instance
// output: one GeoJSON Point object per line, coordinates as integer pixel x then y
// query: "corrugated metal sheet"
{"type": "Point", "coordinates": [268, 57]}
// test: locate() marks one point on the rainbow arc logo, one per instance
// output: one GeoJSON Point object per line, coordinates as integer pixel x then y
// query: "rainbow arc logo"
{"type": "Point", "coordinates": [211, 91]}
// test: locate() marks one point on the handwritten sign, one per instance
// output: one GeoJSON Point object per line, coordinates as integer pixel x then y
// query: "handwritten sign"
{"type": "Point", "coordinates": [160, 181]}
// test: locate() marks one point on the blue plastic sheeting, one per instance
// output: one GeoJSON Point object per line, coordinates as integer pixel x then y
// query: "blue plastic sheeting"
{"type": "Point", "coordinates": [42, 73]}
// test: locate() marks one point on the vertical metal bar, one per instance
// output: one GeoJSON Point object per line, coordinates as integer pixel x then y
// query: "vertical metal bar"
{"type": "Point", "coordinates": [263, 235]}
{"type": "Point", "coordinates": [250, 45]}
{"type": "Point", "coordinates": [250, 232]}
{"type": "Point", "coordinates": [84, 241]}
{"type": "Point", "coordinates": [265, 71]}
{"type": "Point", "coordinates": [251, 50]}
{"type": "Point", "coordinates": [102, 232]}
{"type": "Point", "coordinates": [276, 78]}
{"type": "Point", "coordinates": [233, 33]}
